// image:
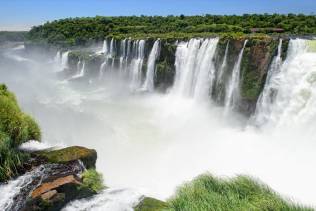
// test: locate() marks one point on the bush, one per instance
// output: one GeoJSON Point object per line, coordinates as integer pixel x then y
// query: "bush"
{"type": "Point", "coordinates": [18, 126]}
{"type": "Point", "coordinates": [92, 180]}
{"type": "Point", "coordinates": [241, 193]}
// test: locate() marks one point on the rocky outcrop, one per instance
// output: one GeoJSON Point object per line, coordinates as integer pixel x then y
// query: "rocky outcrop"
{"type": "Point", "coordinates": [56, 177]}
{"type": "Point", "coordinates": [151, 204]}
{"type": "Point", "coordinates": [87, 156]}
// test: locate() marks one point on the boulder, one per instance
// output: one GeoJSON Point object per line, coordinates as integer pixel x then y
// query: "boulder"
{"type": "Point", "coordinates": [87, 156]}
{"type": "Point", "coordinates": [151, 204]}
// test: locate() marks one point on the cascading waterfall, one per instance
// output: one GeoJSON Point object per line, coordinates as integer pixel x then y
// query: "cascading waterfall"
{"type": "Point", "coordinates": [64, 60]}
{"type": "Point", "coordinates": [195, 67]}
{"type": "Point", "coordinates": [149, 81]}
{"type": "Point", "coordinates": [137, 64]}
{"type": "Point", "coordinates": [295, 102]}
{"type": "Point", "coordinates": [57, 58]}
{"type": "Point", "coordinates": [131, 56]}
{"type": "Point", "coordinates": [263, 107]}
{"type": "Point", "coordinates": [221, 72]}
{"type": "Point", "coordinates": [232, 95]}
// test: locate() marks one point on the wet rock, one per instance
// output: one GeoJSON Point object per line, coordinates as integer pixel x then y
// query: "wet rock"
{"type": "Point", "coordinates": [151, 204]}
{"type": "Point", "coordinates": [87, 156]}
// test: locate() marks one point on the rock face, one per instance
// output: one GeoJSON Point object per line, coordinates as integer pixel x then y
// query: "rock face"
{"type": "Point", "coordinates": [87, 156]}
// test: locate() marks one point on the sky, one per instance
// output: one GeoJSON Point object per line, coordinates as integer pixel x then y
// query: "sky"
{"type": "Point", "coordinates": [23, 14]}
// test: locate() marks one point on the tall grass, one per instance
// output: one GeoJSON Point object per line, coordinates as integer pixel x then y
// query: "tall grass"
{"type": "Point", "coordinates": [11, 160]}
{"type": "Point", "coordinates": [16, 127]}
{"type": "Point", "coordinates": [241, 193]}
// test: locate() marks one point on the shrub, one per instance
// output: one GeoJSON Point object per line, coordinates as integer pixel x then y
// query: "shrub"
{"type": "Point", "coordinates": [92, 180]}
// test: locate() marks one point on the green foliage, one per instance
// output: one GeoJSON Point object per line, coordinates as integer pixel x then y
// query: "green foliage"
{"type": "Point", "coordinates": [241, 193]}
{"type": "Point", "coordinates": [92, 180]}
{"type": "Point", "coordinates": [151, 204]}
{"type": "Point", "coordinates": [82, 31]}
{"type": "Point", "coordinates": [15, 124]}
{"type": "Point", "coordinates": [10, 159]}
{"type": "Point", "coordinates": [12, 36]}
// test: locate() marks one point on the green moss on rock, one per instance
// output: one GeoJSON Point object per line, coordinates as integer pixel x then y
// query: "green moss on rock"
{"type": "Point", "coordinates": [151, 204]}
{"type": "Point", "coordinates": [87, 156]}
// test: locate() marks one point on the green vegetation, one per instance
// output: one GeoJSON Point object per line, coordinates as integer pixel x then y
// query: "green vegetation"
{"type": "Point", "coordinates": [92, 180]}
{"type": "Point", "coordinates": [16, 128]}
{"type": "Point", "coordinates": [151, 204]}
{"type": "Point", "coordinates": [241, 193]}
{"type": "Point", "coordinates": [17, 36]}
{"type": "Point", "coordinates": [10, 160]}
{"type": "Point", "coordinates": [82, 31]}
{"type": "Point", "coordinates": [14, 124]}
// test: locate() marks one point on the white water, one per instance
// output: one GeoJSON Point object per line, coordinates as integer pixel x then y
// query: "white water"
{"type": "Point", "coordinates": [150, 73]}
{"type": "Point", "coordinates": [136, 65]}
{"type": "Point", "coordinates": [232, 95]}
{"type": "Point", "coordinates": [110, 199]}
{"type": "Point", "coordinates": [295, 103]}
{"type": "Point", "coordinates": [265, 101]}
{"type": "Point", "coordinates": [149, 144]}
{"type": "Point", "coordinates": [13, 188]}
{"type": "Point", "coordinates": [64, 60]}
{"type": "Point", "coordinates": [195, 69]}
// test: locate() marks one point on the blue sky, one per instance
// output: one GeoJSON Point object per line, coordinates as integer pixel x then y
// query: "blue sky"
{"type": "Point", "coordinates": [22, 14]}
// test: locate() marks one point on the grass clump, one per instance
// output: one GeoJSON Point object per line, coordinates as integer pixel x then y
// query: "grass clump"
{"type": "Point", "coordinates": [11, 160]}
{"type": "Point", "coordinates": [92, 180]}
{"type": "Point", "coordinates": [241, 193]}
{"type": "Point", "coordinates": [15, 124]}
{"type": "Point", "coordinates": [16, 128]}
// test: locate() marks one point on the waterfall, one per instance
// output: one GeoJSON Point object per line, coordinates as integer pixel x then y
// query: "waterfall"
{"type": "Point", "coordinates": [194, 67]}
{"type": "Point", "coordinates": [81, 70]}
{"type": "Point", "coordinates": [232, 95]}
{"type": "Point", "coordinates": [149, 81]}
{"type": "Point", "coordinates": [57, 58]}
{"type": "Point", "coordinates": [220, 74]}
{"type": "Point", "coordinates": [263, 107]}
{"type": "Point", "coordinates": [105, 47]}
{"type": "Point", "coordinates": [123, 54]}
{"type": "Point", "coordinates": [295, 101]}
{"type": "Point", "coordinates": [64, 60]}
{"type": "Point", "coordinates": [137, 64]}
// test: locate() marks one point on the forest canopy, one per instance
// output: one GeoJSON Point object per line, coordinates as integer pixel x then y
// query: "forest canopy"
{"type": "Point", "coordinates": [80, 31]}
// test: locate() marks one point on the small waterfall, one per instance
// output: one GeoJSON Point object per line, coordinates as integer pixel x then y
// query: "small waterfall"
{"type": "Point", "coordinates": [220, 74]}
{"type": "Point", "coordinates": [57, 58]}
{"type": "Point", "coordinates": [105, 47]}
{"type": "Point", "coordinates": [149, 81]}
{"type": "Point", "coordinates": [137, 64]}
{"type": "Point", "coordinates": [267, 96]}
{"type": "Point", "coordinates": [64, 60]}
{"type": "Point", "coordinates": [123, 54]}
{"type": "Point", "coordinates": [295, 101]}
{"type": "Point", "coordinates": [195, 67]}
{"type": "Point", "coordinates": [232, 95]}
{"type": "Point", "coordinates": [81, 70]}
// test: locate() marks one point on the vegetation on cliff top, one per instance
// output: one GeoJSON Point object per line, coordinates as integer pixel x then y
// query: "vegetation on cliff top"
{"type": "Point", "coordinates": [12, 36]}
{"type": "Point", "coordinates": [80, 31]}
